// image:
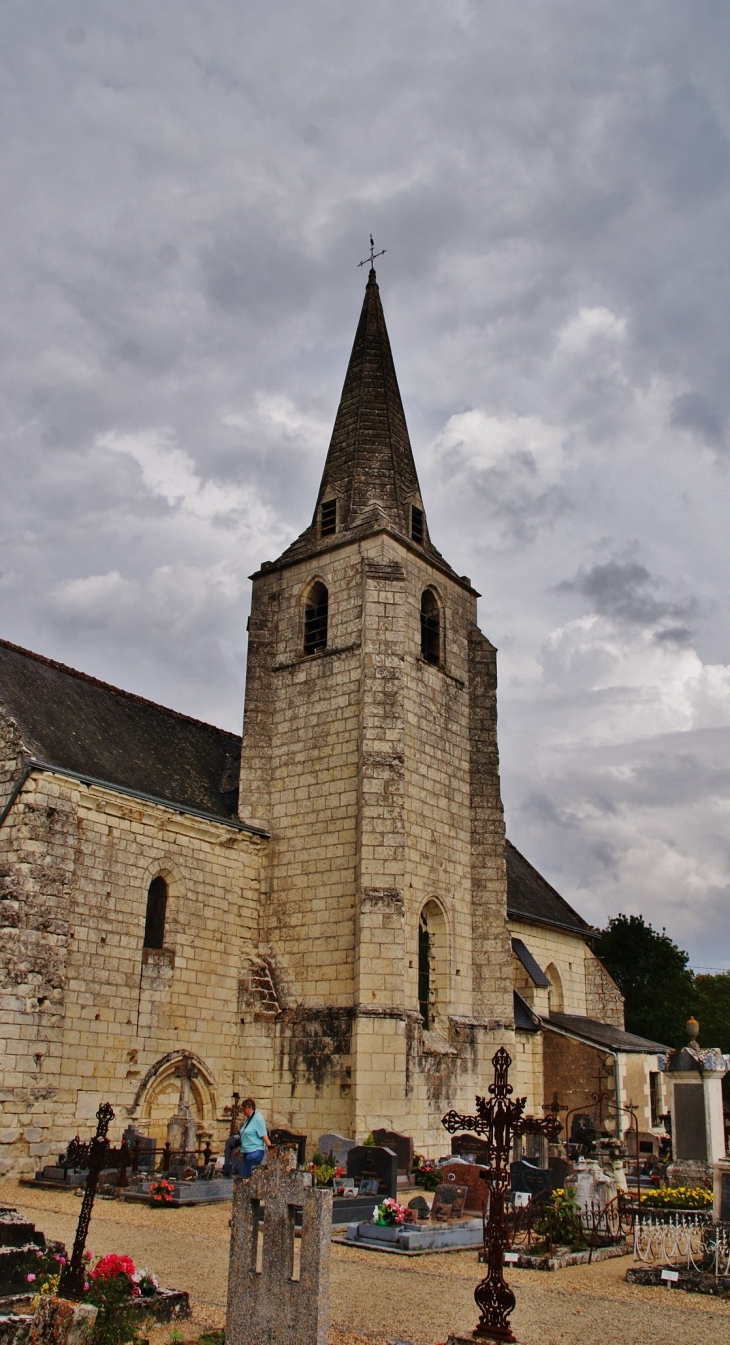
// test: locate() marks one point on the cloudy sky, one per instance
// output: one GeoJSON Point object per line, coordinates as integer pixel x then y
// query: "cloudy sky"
{"type": "Point", "coordinates": [187, 187]}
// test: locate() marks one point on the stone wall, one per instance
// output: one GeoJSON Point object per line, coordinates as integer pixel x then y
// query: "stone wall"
{"type": "Point", "coordinates": [87, 1014]}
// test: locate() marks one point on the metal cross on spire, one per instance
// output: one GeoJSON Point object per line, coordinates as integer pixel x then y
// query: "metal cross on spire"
{"type": "Point", "coordinates": [373, 255]}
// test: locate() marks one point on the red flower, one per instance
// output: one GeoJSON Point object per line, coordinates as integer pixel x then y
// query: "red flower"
{"type": "Point", "coordinates": [111, 1266]}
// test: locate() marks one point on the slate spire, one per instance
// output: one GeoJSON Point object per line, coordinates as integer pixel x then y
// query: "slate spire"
{"type": "Point", "coordinates": [369, 471]}
{"type": "Point", "coordinates": [370, 461]}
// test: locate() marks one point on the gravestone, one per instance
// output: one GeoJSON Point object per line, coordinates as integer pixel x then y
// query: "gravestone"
{"type": "Point", "coordinates": [468, 1175]}
{"type": "Point", "coordinates": [271, 1306]}
{"type": "Point", "coordinates": [337, 1145]}
{"type": "Point", "coordinates": [558, 1169]}
{"type": "Point", "coordinates": [420, 1207]}
{"type": "Point", "coordinates": [448, 1201]}
{"type": "Point", "coordinates": [402, 1146]}
{"type": "Point", "coordinates": [525, 1177]}
{"type": "Point", "coordinates": [470, 1147]}
{"type": "Point", "coordinates": [147, 1146]}
{"type": "Point", "coordinates": [287, 1139]}
{"type": "Point", "coordinates": [370, 1162]}
{"type": "Point", "coordinates": [592, 1186]}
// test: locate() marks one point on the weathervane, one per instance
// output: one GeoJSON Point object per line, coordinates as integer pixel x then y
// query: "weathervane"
{"type": "Point", "coordinates": [373, 255]}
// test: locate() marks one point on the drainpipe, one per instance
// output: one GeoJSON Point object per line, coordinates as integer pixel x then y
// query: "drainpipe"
{"type": "Point", "coordinates": [26, 771]}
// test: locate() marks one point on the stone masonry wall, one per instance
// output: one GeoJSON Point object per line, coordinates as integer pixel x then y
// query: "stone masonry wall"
{"type": "Point", "coordinates": [87, 1014]}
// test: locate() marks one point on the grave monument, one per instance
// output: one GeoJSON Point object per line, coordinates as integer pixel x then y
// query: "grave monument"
{"type": "Point", "coordinates": [273, 1305]}
{"type": "Point", "coordinates": [182, 1128]}
{"type": "Point", "coordinates": [698, 1132]}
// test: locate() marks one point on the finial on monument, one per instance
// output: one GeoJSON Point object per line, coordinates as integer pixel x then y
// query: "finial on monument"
{"type": "Point", "coordinates": [372, 256]}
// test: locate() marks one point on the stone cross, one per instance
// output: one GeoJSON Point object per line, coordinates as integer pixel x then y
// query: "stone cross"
{"type": "Point", "coordinates": [272, 1306]}
{"type": "Point", "coordinates": [182, 1127]}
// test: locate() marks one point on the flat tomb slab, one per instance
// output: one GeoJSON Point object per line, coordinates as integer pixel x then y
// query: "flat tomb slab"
{"type": "Point", "coordinates": [187, 1193]}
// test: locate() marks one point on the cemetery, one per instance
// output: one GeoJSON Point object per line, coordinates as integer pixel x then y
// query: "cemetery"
{"type": "Point", "coordinates": [288, 1219]}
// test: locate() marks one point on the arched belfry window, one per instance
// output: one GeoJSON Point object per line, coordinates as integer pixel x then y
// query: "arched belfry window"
{"type": "Point", "coordinates": [315, 619]}
{"type": "Point", "coordinates": [430, 627]}
{"type": "Point", "coordinates": [154, 929]}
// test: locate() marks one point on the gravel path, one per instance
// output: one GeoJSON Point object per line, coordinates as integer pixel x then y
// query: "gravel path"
{"type": "Point", "coordinates": [378, 1298]}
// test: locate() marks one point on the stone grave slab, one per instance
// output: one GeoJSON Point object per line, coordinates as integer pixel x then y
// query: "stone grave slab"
{"type": "Point", "coordinates": [402, 1146]}
{"type": "Point", "coordinates": [337, 1145]}
{"type": "Point", "coordinates": [417, 1239]}
{"type": "Point", "coordinates": [273, 1307]}
{"type": "Point", "coordinates": [186, 1193]}
{"type": "Point", "coordinates": [448, 1201]}
{"type": "Point", "coordinates": [370, 1163]}
{"type": "Point", "coordinates": [468, 1175]}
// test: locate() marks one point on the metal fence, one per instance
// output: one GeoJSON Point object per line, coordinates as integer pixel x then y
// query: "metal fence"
{"type": "Point", "coordinates": [684, 1237]}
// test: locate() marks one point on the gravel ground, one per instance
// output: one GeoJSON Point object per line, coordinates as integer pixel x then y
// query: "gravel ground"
{"type": "Point", "coordinates": [378, 1298]}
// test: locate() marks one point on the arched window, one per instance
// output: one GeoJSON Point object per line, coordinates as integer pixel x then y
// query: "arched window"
{"type": "Point", "coordinates": [424, 970]}
{"type": "Point", "coordinates": [432, 965]}
{"type": "Point", "coordinates": [430, 627]}
{"type": "Point", "coordinates": [315, 619]}
{"type": "Point", "coordinates": [555, 993]}
{"type": "Point", "coordinates": [154, 929]}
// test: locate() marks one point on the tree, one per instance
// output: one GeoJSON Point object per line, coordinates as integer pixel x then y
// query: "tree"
{"type": "Point", "coordinates": [653, 976]}
{"type": "Point", "coordinates": [713, 1010]}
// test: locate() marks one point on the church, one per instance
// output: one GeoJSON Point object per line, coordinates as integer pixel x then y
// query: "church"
{"type": "Point", "coordinates": [324, 912]}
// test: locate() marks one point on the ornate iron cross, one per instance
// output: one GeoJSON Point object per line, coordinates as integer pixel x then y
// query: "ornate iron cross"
{"type": "Point", "coordinates": [499, 1120]}
{"type": "Point", "coordinates": [93, 1155]}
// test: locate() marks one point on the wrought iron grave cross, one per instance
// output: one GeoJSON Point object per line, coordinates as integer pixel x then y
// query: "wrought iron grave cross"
{"type": "Point", "coordinates": [93, 1155]}
{"type": "Point", "coordinates": [373, 254]}
{"type": "Point", "coordinates": [499, 1120]}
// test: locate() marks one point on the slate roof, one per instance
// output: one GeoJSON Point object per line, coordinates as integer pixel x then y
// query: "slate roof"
{"type": "Point", "coordinates": [369, 466]}
{"type": "Point", "coordinates": [531, 897]}
{"type": "Point", "coordinates": [602, 1034]}
{"type": "Point", "coordinates": [525, 1019]}
{"type": "Point", "coordinates": [533, 969]}
{"type": "Point", "coordinates": [76, 723]}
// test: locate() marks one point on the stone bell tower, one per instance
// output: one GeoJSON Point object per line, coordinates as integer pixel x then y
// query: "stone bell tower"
{"type": "Point", "coordinates": [370, 755]}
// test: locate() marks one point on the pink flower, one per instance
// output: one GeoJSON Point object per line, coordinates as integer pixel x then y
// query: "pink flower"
{"type": "Point", "coordinates": [86, 1285]}
{"type": "Point", "coordinates": [30, 1278]}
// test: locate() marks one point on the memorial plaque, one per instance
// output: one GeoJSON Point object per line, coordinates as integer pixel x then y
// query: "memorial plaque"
{"type": "Point", "coordinates": [376, 1163]}
{"type": "Point", "coordinates": [420, 1207]}
{"type": "Point", "coordinates": [402, 1146]}
{"type": "Point", "coordinates": [468, 1175]}
{"type": "Point", "coordinates": [690, 1132]}
{"type": "Point", "coordinates": [725, 1198]}
{"type": "Point", "coordinates": [448, 1201]}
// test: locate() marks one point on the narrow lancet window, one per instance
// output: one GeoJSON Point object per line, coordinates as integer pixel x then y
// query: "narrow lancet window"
{"type": "Point", "coordinates": [430, 628]}
{"type": "Point", "coordinates": [154, 929]}
{"type": "Point", "coordinates": [328, 518]}
{"type": "Point", "coordinates": [424, 971]}
{"type": "Point", "coordinates": [417, 524]}
{"type": "Point", "coordinates": [315, 619]}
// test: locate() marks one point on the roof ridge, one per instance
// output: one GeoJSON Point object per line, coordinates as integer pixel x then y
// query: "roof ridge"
{"type": "Point", "coordinates": [116, 691]}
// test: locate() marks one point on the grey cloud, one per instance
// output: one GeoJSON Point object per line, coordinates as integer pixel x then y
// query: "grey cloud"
{"type": "Point", "coordinates": [691, 411]}
{"type": "Point", "coordinates": [184, 206]}
{"type": "Point", "coordinates": [623, 590]}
